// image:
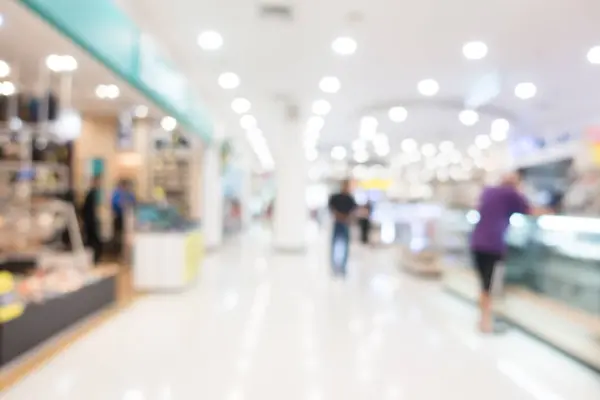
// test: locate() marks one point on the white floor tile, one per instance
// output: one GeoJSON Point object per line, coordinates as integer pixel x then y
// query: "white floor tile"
{"type": "Point", "coordinates": [266, 326]}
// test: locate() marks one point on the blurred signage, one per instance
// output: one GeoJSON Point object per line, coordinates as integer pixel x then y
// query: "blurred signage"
{"type": "Point", "coordinates": [592, 137]}
{"type": "Point", "coordinates": [375, 184]}
{"type": "Point", "coordinates": [125, 131]}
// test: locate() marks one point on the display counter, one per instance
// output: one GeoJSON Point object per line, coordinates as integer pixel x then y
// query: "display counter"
{"type": "Point", "coordinates": [552, 278]}
{"type": "Point", "coordinates": [167, 250]}
{"type": "Point", "coordinates": [29, 318]}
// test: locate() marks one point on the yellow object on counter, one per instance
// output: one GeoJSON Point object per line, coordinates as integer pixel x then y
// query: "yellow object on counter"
{"type": "Point", "coordinates": [9, 308]}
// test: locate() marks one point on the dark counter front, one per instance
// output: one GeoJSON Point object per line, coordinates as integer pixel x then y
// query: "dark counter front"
{"type": "Point", "coordinates": [42, 321]}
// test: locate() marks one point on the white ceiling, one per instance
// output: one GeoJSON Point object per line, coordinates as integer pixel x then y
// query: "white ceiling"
{"type": "Point", "coordinates": [399, 43]}
{"type": "Point", "coordinates": [25, 42]}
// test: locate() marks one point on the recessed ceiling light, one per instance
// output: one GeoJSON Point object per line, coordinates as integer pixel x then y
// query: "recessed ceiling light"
{"type": "Point", "coordinates": [525, 90]}
{"type": "Point", "coordinates": [361, 157]}
{"type": "Point", "coordinates": [7, 88]}
{"type": "Point", "coordinates": [330, 84]}
{"type": "Point", "coordinates": [241, 105]}
{"type": "Point", "coordinates": [248, 122]}
{"type": "Point", "coordinates": [446, 146]}
{"type": "Point", "coordinates": [141, 111]}
{"type": "Point", "coordinates": [321, 107]}
{"type": "Point", "coordinates": [468, 117]}
{"type": "Point", "coordinates": [315, 123]}
{"type": "Point", "coordinates": [168, 124]}
{"type": "Point", "coordinates": [428, 150]}
{"type": "Point", "coordinates": [398, 114]}
{"type": "Point", "coordinates": [409, 145]}
{"type": "Point", "coordinates": [382, 150]}
{"type": "Point", "coordinates": [344, 46]}
{"type": "Point", "coordinates": [110, 92]}
{"type": "Point", "coordinates": [1, 20]}
{"type": "Point", "coordinates": [229, 80]}
{"type": "Point", "coordinates": [500, 128]}
{"type": "Point", "coordinates": [210, 40]}
{"type": "Point", "coordinates": [483, 141]}
{"type": "Point", "coordinates": [338, 153]}
{"type": "Point", "coordinates": [56, 63]}
{"type": "Point", "coordinates": [475, 50]}
{"type": "Point", "coordinates": [428, 87]}
{"type": "Point", "coordinates": [593, 55]}
{"type": "Point", "coordinates": [380, 140]}
{"type": "Point", "coordinates": [4, 69]}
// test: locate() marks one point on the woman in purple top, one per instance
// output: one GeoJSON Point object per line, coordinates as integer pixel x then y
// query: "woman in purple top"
{"type": "Point", "coordinates": [496, 205]}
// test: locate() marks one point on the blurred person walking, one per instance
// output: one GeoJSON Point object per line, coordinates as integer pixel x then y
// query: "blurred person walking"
{"type": "Point", "coordinates": [342, 207]}
{"type": "Point", "coordinates": [496, 205]}
{"type": "Point", "coordinates": [91, 222]}
{"type": "Point", "coordinates": [364, 222]}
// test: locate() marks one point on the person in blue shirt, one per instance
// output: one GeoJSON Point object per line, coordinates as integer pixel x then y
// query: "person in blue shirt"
{"type": "Point", "coordinates": [121, 199]}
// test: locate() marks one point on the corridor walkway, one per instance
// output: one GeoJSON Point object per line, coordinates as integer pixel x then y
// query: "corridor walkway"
{"type": "Point", "coordinates": [270, 326]}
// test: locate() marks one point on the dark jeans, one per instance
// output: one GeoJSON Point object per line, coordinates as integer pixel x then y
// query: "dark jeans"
{"type": "Point", "coordinates": [365, 230]}
{"type": "Point", "coordinates": [340, 246]}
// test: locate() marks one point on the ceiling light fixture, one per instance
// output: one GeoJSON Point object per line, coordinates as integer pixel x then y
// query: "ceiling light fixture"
{"type": "Point", "coordinates": [4, 69]}
{"type": "Point", "coordinates": [499, 131]}
{"type": "Point", "coordinates": [361, 156]}
{"type": "Point", "coordinates": [330, 84]}
{"type": "Point", "coordinates": [210, 40]}
{"type": "Point", "coordinates": [468, 117]}
{"type": "Point", "coordinates": [368, 127]}
{"type": "Point", "coordinates": [141, 111]}
{"type": "Point", "coordinates": [409, 145]}
{"type": "Point", "coordinates": [398, 114]}
{"type": "Point", "coordinates": [338, 153]}
{"type": "Point", "coordinates": [248, 122]}
{"type": "Point", "coordinates": [56, 63]}
{"type": "Point", "coordinates": [315, 123]}
{"type": "Point", "coordinates": [428, 87]}
{"type": "Point", "coordinates": [593, 55]}
{"type": "Point", "coordinates": [359, 145]}
{"type": "Point", "coordinates": [168, 124]}
{"type": "Point", "coordinates": [525, 90]}
{"type": "Point", "coordinates": [344, 46]}
{"type": "Point", "coordinates": [483, 141]}
{"type": "Point", "coordinates": [7, 88]}
{"type": "Point", "coordinates": [475, 50]}
{"type": "Point", "coordinates": [382, 150]}
{"type": "Point", "coordinates": [109, 92]}
{"type": "Point", "coordinates": [229, 80]}
{"type": "Point", "coordinates": [321, 107]}
{"type": "Point", "coordinates": [241, 105]}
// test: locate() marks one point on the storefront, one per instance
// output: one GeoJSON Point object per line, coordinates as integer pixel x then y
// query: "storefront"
{"type": "Point", "coordinates": [66, 122]}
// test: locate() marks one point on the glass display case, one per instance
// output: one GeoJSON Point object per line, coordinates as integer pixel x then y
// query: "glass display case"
{"type": "Point", "coordinates": [551, 276]}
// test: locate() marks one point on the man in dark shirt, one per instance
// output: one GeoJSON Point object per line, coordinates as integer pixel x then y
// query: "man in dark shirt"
{"type": "Point", "coordinates": [90, 218]}
{"type": "Point", "coordinates": [342, 206]}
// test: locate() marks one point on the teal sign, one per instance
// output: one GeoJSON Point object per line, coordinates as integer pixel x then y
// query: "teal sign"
{"type": "Point", "coordinates": [102, 29]}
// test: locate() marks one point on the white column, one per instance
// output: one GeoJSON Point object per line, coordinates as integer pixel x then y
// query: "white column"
{"type": "Point", "coordinates": [290, 217]}
{"type": "Point", "coordinates": [246, 183]}
{"type": "Point", "coordinates": [212, 215]}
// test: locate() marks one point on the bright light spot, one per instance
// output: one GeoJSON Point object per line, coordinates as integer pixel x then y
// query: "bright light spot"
{"type": "Point", "coordinates": [409, 145]}
{"type": "Point", "coordinates": [330, 84]}
{"type": "Point", "coordinates": [428, 150]}
{"type": "Point", "coordinates": [361, 156]}
{"type": "Point", "coordinates": [518, 220]}
{"type": "Point", "coordinates": [315, 123]}
{"type": "Point", "coordinates": [446, 146]}
{"type": "Point", "coordinates": [593, 55]}
{"type": "Point", "coordinates": [475, 50]}
{"type": "Point", "coordinates": [368, 127]}
{"type": "Point", "coordinates": [398, 114]}
{"type": "Point", "coordinates": [500, 128]}
{"type": "Point", "coordinates": [474, 151]}
{"type": "Point", "coordinates": [428, 87]}
{"type": "Point", "coordinates": [344, 46]}
{"type": "Point", "coordinates": [56, 63]}
{"type": "Point", "coordinates": [210, 40]}
{"type": "Point", "coordinates": [248, 122]}
{"type": "Point", "coordinates": [321, 107]}
{"type": "Point", "coordinates": [110, 92]}
{"type": "Point", "coordinates": [7, 88]}
{"type": "Point", "coordinates": [229, 80]}
{"type": "Point", "coordinates": [241, 105]}
{"type": "Point", "coordinates": [382, 150]}
{"type": "Point", "coordinates": [473, 217]}
{"type": "Point", "coordinates": [359, 145]}
{"type": "Point", "coordinates": [4, 69]}
{"type": "Point", "coordinates": [312, 155]}
{"type": "Point", "coordinates": [141, 111]}
{"type": "Point", "coordinates": [525, 90]}
{"type": "Point", "coordinates": [468, 117]}
{"type": "Point", "coordinates": [1, 20]}
{"type": "Point", "coordinates": [168, 124]}
{"type": "Point", "coordinates": [338, 153]}
{"type": "Point", "coordinates": [483, 141]}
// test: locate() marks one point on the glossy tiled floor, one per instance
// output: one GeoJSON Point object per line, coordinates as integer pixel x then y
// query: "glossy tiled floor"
{"type": "Point", "coordinates": [267, 326]}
